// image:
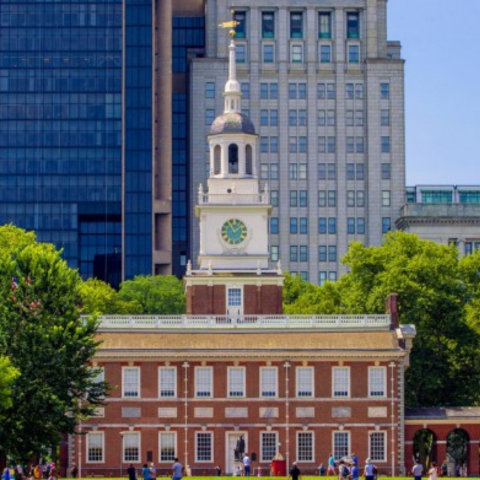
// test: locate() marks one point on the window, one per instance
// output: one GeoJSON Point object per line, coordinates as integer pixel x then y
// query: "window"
{"type": "Point", "coordinates": [331, 118]}
{"type": "Point", "coordinates": [274, 198]}
{"type": "Point", "coordinates": [385, 90]}
{"type": "Point", "coordinates": [203, 446]}
{"type": "Point", "coordinates": [359, 118]}
{"type": "Point", "coordinates": [386, 144]}
{"type": "Point", "coordinates": [303, 198]}
{"type": "Point", "coordinates": [332, 198]}
{"type": "Point", "coordinates": [350, 171]}
{"type": "Point", "coordinates": [350, 91]}
{"type": "Point", "coordinates": [359, 90]}
{"type": "Point", "coordinates": [264, 144]}
{"type": "Point", "coordinates": [292, 145]}
{"type": "Point", "coordinates": [263, 118]}
{"type": "Point", "coordinates": [274, 225]}
{"type": "Point", "coordinates": [305, 447]}
{"type": "Point", "coordinates": [322, 171]}
{"type": "Point", "coordinates": [209, 116]}
{"type": "Point", "coordinates": [322, 145]}
{"type": "Point", "coordinates": [274, 117]}
{"type": "Point", "coordinates": [350, 198]}
{"type": "Point", "coordinates": [274, 255]}
{"type": "Point", "coordinates": [296, 25]}
{"type": "Point", "coordinates": [269, 443]}
{"type": "Point", "coordinates": [386, 224]}
{"type": "Point", "coordinates": [385, 118]}
{"type": "Point", "coordinates": [332, 253]}
{"type": "Point", "coordinates": [292, 118]}
{"type": "Point", "coordinates": [325, 53]}
{"type": "Point", "coordinates": [332, 226]}
{"type": "Point", "coordinates": [359, 171]}
{"type": "Point", "coordinates": [293, 253]}
{"type": "Point", "coordinates": [350, 144]}
{"type": "Point", "coordinates": [302, 91]}
{"type": "Point", "coordinates": [303, 253]}
{"type": "Point", "coordinates": [303, 225]}
{"type": "Point", "coordinates": [274, 144]}
{"type": "Point", "coordinates": [322, 225]}
{"type": "Point", "coordinates": [167, 381]}
{"type": "Point", "coordinates": [353, 54]}
{"type": "Point", "coordinates": [131, 447]}
{"type": "Point", "coordinates": [322, 253]}
{"type": "Point", "coordinates": [377, 380]}
{"type": "Point", "coordinates": [351, 225]}
{"type": "Point", "coordinates": [95, 447]}
{"type": "Point", "coordinates": [236, 382]}
{"type": "Point", "coordinates": [331, 171]}
{"type": "Point", "coordinates": [297, 53]}
{"type": "Point", "coordinates": [349, 118]}
{"type": "Point", "coordinates": [240, 58]}
{"type": "Point", "coordinates": [245, 89]}
{"type": "Point", "coordinates": [268, 381]}
{"type": "Point", "coordinates": [322, 198]}
{"type": "Point", "coordinates": [274, 171]}
{"type": "Point", "coordinates": [359, 145]}
{"type": "Point", "coordinates": [240, 30]}
{"type": "Point", "coordinates": [264, 169]}
{"type": "Point", "coordinates": [131, 382]}
{"type": "Point", "coordinates": [385, 171]}
{"type": "Point", "coordinates": [353, 25]}
{"type": "Point", "coordinates": [341, 381]}
{"type": "Point", "coordinates": [203, 382]}
{"type": "Point", "coordinates": [324, 25]}
{"type": "Point", "coordinates": [321, 118]}
{"type": "Point", "coordinates": [322, 278]}
{"type": "Point", "coordinates": [268, 53]}
{"type": "Point", "coordinates": [331, 91]}
{"type": "Point", "coordinates": [293, 198]}
{"type": "Point", "coordinates": [210, 90]}
{"type": "Point", "coordinates": [321, 91]}
{"type": "Point", "coordinates": [302, 144]}
{"type": "Point", "coordinates": [304, 381]}
{"type": "Point", "coordinates": [293, 225]}
{"type": "Point", "coordinates": [331, 145]}
{"type": "Point", "coordinates": [302, 118]}
{"type": "Point", "coordinates": [167, 442]}
{"type": "Point", "coordinates": [264, 91]}
{"type": "Point", "coordinates": [386, 198]}
{"type": "Point", "coordinates": [274, 91]}
{"type": "Point", "coordinates": [292, 171]}
{"type": "Point", "coordinates": [361, 225]}
{"type": "Point", "coordinates": [332, 276]}
{"type": "Point", "coordinates": [378, 446]}
{"type": "Point", "coordinates": [268, 25]}
{"type": "Point", "coordinates": [341, 444]}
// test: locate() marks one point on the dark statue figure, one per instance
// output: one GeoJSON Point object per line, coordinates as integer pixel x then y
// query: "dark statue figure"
{"type": "Point", "coordinates": [239, 449]}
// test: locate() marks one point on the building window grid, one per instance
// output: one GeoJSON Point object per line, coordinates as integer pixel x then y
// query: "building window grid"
{"type": "Point", "coordinates": [245, 89]}
{"type": "Point", "coordinates": [304, 381]}
{"type": "Point", "coordinates": [324, 25]}
{"type": "Point", "coordinates": [296, 25]}
{"type": "Point", "coordinates": [203, 382]}
{"type": "Point", "coordinates": [386, 198]}
{"type": "Point", "coordinates": [305, 447]}
{"type": "Point", "coordinates": [293, 253]}
{"type": "Point", "coordinates": [378, 446]}
{"type": "Point", "coordinates": [354, 53]}
{"type": "Point", "coordinates": [377, 382]}
{"type": "Point", "coordinates": [167, 379]}
{"type": "Point", "coordinates": [268, 382]}
{"type": "Point", "coordinates": [303, 198]}
{"type": "Point", "coordinates": [210, 90]}
{"type": "Point", "coordinates": [268, 53]}
{"type": "Point", "coordinates": [385, 91]}
{"type": "Point", "coordinates": [325, 53]}
{"type": "Point", "coordinates": [204, 446]}
{"type": "Point", "coordinates": [131, 382]}
{"type": "Point", "coordinates": [341, 382]}
{"type": "Point", "coordinates": [236, 382]}
{"type": "Point", "coordinates": [332, 253]}
{"type": "Point", "coordinates": [274, 253]}
{"type": "Point", "coordinates": [341, 445]}
{"type": "Point", "coordinates": [322, 253]}
{"type": "Point", "coordinates": [167, 443]}
{"type": "Point", "coordinates": [95, 447]}
{"type": "Point", "coordinates": [269, 445]}
{"type": "Point", "coordinates": [303, 253]}
{"type": "Point", "coordinates": [131, 447]}
{"type": "Point", "coordinates": [274, 198]}
{"type": "Point", "coordinates": [268, 25]}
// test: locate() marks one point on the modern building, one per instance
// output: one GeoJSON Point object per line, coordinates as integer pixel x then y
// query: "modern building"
{"type": "Point", "coordinates": [325, 89]}
{"type": "Point", "coordinates": [444, 214]}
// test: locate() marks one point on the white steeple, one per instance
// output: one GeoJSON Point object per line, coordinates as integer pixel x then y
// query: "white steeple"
{"type": "Point", "coordinates": [232, 92]}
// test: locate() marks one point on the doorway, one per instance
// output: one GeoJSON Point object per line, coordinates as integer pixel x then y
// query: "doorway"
{"type": "Point", "coordinates": [231, 444]}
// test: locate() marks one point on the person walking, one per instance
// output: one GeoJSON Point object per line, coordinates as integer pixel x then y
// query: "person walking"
{"type": "Point", "coordinates": [132, 473]}
{"type": "Point", "coordinates": [295, 472]}
{"type": "Point", "coordinates": [353, 472]}
{"type": "Point", "coordinates": [331, 465]}
{"type": "Point", "coordinates": [432, 473]}
{"type": "Point", "coordinates": [417, 470]}
{"type": "Point", "coordinates": [246, 465]}
{"type": "Point", "coordinates": [369, 472]}
{"type": "Point", "coordinates": [177, 470]}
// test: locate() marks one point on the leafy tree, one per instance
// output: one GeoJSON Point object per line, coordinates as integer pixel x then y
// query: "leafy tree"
{"type": "Point", "coordinates": [47, 342]}
{"type": "Point", "coordinates": [435, 292]}
{"type": "Point", "coordinates": [8, 374]}
{"type": "Point", "coordinates": [156, 295]}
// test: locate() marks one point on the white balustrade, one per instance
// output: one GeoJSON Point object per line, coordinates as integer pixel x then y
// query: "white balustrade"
{"type": "Point", "coordinates": [233, 198]}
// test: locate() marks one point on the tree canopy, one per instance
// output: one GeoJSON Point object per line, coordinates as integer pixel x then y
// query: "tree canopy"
{"type": "Point", "coordinates": [46, 342]}
{"type": "Point", "coordinates": [438, 291]}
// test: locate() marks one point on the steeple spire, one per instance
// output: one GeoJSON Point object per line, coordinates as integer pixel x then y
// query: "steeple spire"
{"type": "Point", "coordinates": [232, 92]}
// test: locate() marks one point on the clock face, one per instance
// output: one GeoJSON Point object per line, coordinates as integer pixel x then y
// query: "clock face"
{"type": "Point", "coordinates": [234, 231]}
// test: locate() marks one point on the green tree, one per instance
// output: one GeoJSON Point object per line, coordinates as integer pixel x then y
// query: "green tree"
{"type": "Point", "coordinates": [47, 342]}
{"type": "Point", "coordinates": [156, 295]}
{"type": "Point", "coordinates": [433, 293]}
{"type": "Point", "coordinates": [8, 375]}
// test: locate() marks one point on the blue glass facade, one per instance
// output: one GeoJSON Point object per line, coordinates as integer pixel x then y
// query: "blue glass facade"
{"type": "Point", "coordinates": [61, 121]}
{"type": "Point", "coordinates": [188, 40]}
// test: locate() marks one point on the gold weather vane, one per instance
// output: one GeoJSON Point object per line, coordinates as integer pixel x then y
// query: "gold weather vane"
{"type": "Point", "coordinates": [231, 24]}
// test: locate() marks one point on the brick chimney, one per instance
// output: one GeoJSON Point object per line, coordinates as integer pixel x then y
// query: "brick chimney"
{"type": "Point", "coordinates": [391, 308]}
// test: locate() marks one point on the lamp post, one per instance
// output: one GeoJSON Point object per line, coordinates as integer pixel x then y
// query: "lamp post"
{"type": "Point", "coordinates": [287, 416]}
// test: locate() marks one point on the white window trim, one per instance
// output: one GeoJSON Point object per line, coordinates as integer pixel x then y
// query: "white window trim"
{"type": "Point", "coordinates": [384, 385]}
{"type": "Point", "coordinates": [160, 446]}
{"type": "Point", "coordinates": [211, 383]}
{"type": "Point", "coordinates": [384, 460]}
{"type": "Point", "coordinates": [349, 393]}
{"type": "Point", "coordinates": [174, 382]}
{"type": "Point", "coordinates": [103, 447]}
{"type": "Point", "coordinates": [139, 381]}
{"type": "Point", "coordinates": [139, 447]}
{"type": "Point", "coordinates": [349, 441]}
{"type": "Point", "coordinates": [312, 376]}
{"type": "Point", "coordinates": [244, 386]}
{"type": "Point", "coordinates": [212, 443]}
{"type": "Point", "coordinates": [262, 460]}
{"type": "Point", "coordinates": [312, 458]}
{"type": "Point", "coordinates": [260, 385]}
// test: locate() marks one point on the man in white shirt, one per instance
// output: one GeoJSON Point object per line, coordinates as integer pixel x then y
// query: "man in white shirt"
{"type": "Point", "coordinates": [417, 470]}
{"type": "Point", "coordinates": [246, 465]}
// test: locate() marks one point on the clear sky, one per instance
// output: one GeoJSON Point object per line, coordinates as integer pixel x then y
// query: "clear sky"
{"type": "Point", "coordinates": [441, 45]}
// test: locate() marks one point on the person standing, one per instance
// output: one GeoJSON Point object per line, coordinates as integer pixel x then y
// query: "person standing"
{"type": "Point", "coordinates": [353, 472]}
{"type": "Point", "coordinates": [132, 473]}
{"type": "Point", "coordinates": [295, 472]}
{"type": "Point", "coordinates": [177, 470]}
{"type": "Point", "coordinates": [369, 471]}
{"type": "Point", "coordinates": [417, 470]}
{"type": "Point", "coordinates": [331, 465]}
{"type": "Point", "coordinates": [432, 473]}
{"type": "Point", "coordinates": [145, 472]}
{"type": "Point", "coordinates": [246, 465]}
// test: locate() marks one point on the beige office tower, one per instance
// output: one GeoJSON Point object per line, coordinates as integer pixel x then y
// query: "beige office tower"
{"type": "Point", "coordinates": [325, 91]}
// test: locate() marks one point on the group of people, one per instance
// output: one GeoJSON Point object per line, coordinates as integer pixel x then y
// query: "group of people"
{"type": "Point", "coordinates": [347, 468]}
{"type": "Point", "coordinates": [149, 472]}
{"type": "Point", "coordinates": [418, 470]}
{"type": "Point", "coordinates": [46, 470]}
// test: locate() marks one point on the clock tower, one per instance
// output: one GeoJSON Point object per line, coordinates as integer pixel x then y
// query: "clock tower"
{"type": "Point", "coordinates": [233, 277]}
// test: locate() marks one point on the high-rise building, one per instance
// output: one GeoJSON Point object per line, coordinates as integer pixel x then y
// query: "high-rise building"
{"type": "Point", "coordinates": [326, 91]}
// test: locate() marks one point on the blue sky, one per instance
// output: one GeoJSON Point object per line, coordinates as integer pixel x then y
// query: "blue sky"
{"type": "Point", "coordinates": [441, 46]}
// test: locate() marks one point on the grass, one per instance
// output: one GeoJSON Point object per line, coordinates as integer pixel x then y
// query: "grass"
{"type": "Point", "coordinates": [304, 477]}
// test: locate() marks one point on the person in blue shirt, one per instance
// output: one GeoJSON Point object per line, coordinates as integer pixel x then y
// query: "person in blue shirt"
{"type": "Point", "coordinates": [146, 472]}
{"type": "Point", "coordinates": [331, 465]}
{"type": "Point", "coordinates": [355, 459]}
{"type": "Point", "coordinates": [353, 472]}
{"type": "Point", "coordinates": [370, 468]}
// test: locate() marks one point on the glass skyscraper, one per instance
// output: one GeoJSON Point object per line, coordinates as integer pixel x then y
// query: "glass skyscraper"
{"type": "Point", "coordinates": [76, 129]}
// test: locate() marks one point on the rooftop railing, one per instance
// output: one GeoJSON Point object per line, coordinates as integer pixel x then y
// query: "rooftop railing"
{"type": "Point", "coordinates": [233, 198]}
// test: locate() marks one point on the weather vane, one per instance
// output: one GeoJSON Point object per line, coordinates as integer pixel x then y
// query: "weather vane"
{"type": "Point", "coordinates": [231, 24]}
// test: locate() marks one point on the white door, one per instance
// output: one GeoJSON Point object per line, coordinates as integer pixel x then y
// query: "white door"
{"type": "Point", "coordinates": [234, 302]}
{"type": "Point", "coordinates": [231, 443]}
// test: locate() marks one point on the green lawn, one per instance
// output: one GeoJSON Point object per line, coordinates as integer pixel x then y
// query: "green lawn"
{"type": "Point", "coordinates": [304, 477]}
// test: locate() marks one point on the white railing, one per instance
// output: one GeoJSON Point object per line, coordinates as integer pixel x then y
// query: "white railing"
{"type": "Point", "coordinates": [165, 322]}
{"type": "Point", "coordinates": [233, 198]}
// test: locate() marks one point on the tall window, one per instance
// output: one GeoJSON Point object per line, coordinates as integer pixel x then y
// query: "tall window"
{"type": "Point", "coordinates": [204, 446]}
{"type": "Point", "coordinates": [341, 381]}
{"type": "Point", "coordinates": [386, 198]}
{"type": "Point", "coordinates": [305, 447]}
{"type": "Point", "coordinates": [236, 382]}
{"type": "Point", "coordinates": [268, 25]}
{"type": "Point", "coordinates": [353, 25]}
{"type": "Point", "coordinates": [325, 53]}
{"type": "Point", "coordinates": [167, 380]}
{"type": "Point", "coordinates": [332, 225]}
{"type": "Point", "coordinates": [203, 382]}
{"type": "Point", "coordinates": [353, 54]}
{"type": "Point", "coordinates": [217, 159]}
{"type": "Point", "coordinates": [240, 53]}
{"type": "Point", "coordinates": [233, 158]}
{"type": "Point", "coordinates": [269, 444]}
{"type": "Point", "coordinates": [274, 225]}
{"type": "Point", "coordinates": [274, 253]}
{"type": "Point", "coordinates": [386, 224]}
{"type": "Point", "coordinates": [241, 28]}
{"type": "Point", "coordinates": [385, 118]}
{"type": "Point", "coordinates": [296, 25]}
{"type": "Point", "coordinates": [268, 381]}
{"type": "Point", "coordinates": [245, 88]}
{"type": "Point", "coordinates": [131, 382]}
{"type": "Point", "coordinates": [386, 144]}
{"type": "Point", "coordinates": [167, 442]}
{"type": "Point", "coordinates": [95, 447]}
{"type": "Point", "coordinates": [304, 377]}
{"type": "Point", "coordinates": [293, 253]}
{"type": "Point", "coordinates": [297, 54]}
{"type": "Point", "coordinates": [268, 53]}
{"type": "Point", "coordinates": [341, 444]}
{"type": "Point", "coordinates": [131, 447]}
{"type": "Point", "coordinates": [324, 25]}
{"type": "Point", "coordinates": [385, 90]}
{"type": "Point", "coordinates": [377, 380]}
{"type": "Point", "coordinates": [210, 90]}
{"type": "Point", "coordinates": [248, 160]}
{"type": "Point", "coordinates": [378, 446]}
{"type": "Point", "coordinates": [386, 171]}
